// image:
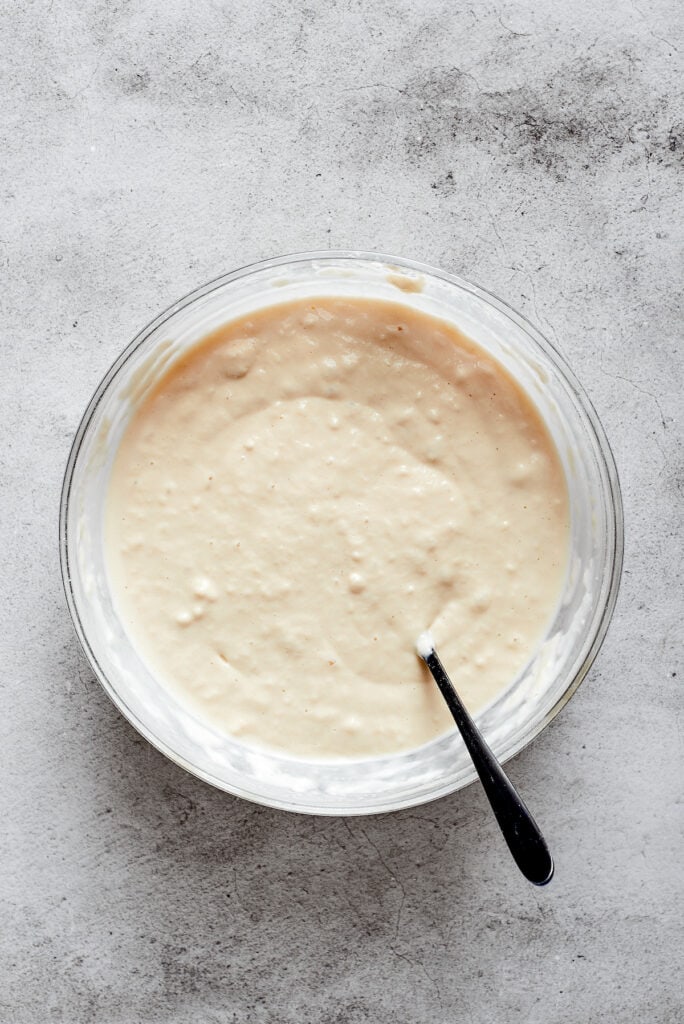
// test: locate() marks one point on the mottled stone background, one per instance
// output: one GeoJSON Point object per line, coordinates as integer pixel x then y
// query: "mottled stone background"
{"type": "Point", "coordinates": [535, 147]}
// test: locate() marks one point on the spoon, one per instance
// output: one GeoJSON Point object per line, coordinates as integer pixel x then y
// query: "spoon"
{"type": "Point", "coordinates": [519, 828]}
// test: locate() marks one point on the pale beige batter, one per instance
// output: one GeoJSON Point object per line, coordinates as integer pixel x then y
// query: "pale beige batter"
{"type": "Point", "coordinates": [307, 491]}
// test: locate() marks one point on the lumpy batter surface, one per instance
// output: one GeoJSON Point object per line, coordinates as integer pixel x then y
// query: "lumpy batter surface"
{"type": "Point", "coordinates": [309, 489]}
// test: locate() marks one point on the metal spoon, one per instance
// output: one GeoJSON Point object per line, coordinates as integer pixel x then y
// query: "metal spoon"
{"type": "Point", "coordinates": [519, 828]}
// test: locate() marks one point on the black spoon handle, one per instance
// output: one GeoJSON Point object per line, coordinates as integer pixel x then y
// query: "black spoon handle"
{"type": "Point", "coordinates": [519, 828]}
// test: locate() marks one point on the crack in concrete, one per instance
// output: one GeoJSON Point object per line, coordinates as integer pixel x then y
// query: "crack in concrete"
{"type": "Point", "coordinates": [643, 391]}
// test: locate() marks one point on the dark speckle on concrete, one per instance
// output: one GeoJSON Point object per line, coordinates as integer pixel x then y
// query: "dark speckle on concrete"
{"type": "Point", "coordinates": [138, 81]}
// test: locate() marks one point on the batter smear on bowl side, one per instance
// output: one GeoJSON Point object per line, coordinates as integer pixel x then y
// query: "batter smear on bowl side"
{"type": "Point", "coordinates": [304, 492]}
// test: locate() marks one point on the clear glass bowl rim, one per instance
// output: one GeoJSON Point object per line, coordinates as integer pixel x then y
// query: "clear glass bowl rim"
{"type": "Point", "coordinates": [606, 458]}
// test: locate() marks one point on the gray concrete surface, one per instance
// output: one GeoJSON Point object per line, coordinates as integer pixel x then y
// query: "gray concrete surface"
{"type": "Point", "coordinates": [535, 147]}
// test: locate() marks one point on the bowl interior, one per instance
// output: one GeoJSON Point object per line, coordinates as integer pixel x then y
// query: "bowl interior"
{"type": "Point", "coordinates": [441, 766]}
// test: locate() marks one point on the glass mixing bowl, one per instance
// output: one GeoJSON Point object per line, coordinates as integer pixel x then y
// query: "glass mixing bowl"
{"type": "Point", "coordinates": [561, 660]}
